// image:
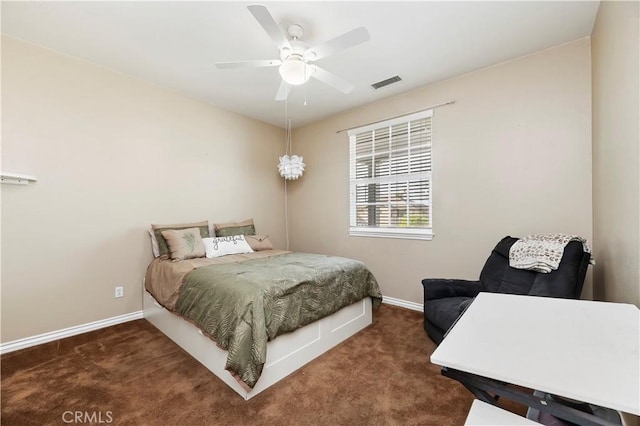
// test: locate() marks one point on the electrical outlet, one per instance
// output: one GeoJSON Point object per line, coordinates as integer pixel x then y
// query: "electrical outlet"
{"type": "Point", "coordinates": [119, 292]}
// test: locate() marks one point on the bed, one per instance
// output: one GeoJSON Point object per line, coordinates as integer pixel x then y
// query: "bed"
{"type": "Point", "coordinates": [254, 318]}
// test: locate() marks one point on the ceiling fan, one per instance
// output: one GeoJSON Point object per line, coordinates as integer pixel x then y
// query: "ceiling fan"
{"type": "Point", "coordinates": [296, 59]}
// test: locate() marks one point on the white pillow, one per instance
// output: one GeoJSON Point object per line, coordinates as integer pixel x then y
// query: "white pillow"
{"type": "Point", "coordinates": [220, 246]}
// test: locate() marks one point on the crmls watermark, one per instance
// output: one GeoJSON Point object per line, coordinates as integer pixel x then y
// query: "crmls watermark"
{"type": "Point", "coordinates": [87, 417]}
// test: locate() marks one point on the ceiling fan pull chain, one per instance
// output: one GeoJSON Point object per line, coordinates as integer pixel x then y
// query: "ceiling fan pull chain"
{"type": "Point", "coordinates": [290, 147]}
{"type": "Point", "coordinates": [286, 126]}
{"type": "Point", "coordinates": [305, 86]}
{"type": "Point", "coordinates": [305, 95]}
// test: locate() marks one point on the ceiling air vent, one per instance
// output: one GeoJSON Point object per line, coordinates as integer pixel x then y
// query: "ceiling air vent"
{"type": "Point", "coordinates": [386, 82]}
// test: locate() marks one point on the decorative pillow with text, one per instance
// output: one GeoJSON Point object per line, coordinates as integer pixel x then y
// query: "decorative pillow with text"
{"type": "Point", "coordinates": [221, 246]}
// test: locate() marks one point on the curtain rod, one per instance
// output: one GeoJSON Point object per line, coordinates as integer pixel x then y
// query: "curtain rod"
{"type": "Point", "coordinates": [397, 116]}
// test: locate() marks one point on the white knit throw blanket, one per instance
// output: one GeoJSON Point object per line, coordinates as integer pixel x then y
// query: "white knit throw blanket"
{"type": "Point", "coordinates": [542, 252]}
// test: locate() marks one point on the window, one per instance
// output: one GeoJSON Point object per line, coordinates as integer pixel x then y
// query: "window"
{"type": "Point", "coordinates": [390, 178]}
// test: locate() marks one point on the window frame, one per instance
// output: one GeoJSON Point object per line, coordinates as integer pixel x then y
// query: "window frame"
{"type": "Point", "coordinates": [388, 232]}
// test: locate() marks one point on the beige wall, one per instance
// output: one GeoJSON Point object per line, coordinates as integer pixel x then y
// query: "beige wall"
{"type": "Point", "coordinates": [112, 155]}
{"type": "Point", "coordinates": [512, 156]}
{"type": "Point", "coordinates": [616, 153]}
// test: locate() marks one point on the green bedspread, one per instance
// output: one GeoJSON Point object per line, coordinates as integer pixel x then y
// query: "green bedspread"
{"type": "Point", "coordinates": [243, 305]}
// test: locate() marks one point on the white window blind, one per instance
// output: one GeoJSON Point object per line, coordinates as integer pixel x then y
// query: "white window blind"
{"type": "Point", "coordinates": [390, 178]}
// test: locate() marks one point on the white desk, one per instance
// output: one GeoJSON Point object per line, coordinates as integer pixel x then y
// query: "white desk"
{"type": "Point", "coordinates": [587, 351]}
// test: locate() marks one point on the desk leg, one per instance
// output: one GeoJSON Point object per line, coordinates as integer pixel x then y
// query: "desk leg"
{"type": "Point", "coordinates": [483, 388]}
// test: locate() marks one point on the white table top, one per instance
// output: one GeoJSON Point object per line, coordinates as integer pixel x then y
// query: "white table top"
{"type": "Point", "coordinates": [483, 414]}
{"type": "Point", "coordinates": [588, 351]}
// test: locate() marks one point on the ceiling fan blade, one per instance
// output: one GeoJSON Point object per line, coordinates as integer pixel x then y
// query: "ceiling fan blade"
{"type": "Point", "coordinates": [249, 64]}
{"type": "Point", "coordinates": [270, 25]}
{"type": "Point", "coordinates": [337, 44]}
{"type": "Point", "coordinates": [283, 91]}
{"type": "Point", "coordinates": [331, 80]}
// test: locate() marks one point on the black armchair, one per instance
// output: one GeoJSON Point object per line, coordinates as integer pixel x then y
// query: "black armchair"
{"type": "Point", "coordinates": [446, 299]}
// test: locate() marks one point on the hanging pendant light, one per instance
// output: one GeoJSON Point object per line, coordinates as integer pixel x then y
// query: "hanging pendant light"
{"type": "Point", "coordinates": [291, 166]}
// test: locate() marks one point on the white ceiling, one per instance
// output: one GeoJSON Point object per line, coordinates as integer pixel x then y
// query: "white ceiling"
{"type": "Point", "coordinates": [176, 44]}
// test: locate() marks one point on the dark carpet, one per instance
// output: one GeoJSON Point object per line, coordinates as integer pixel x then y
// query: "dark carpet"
{"type": "Point", "coordinates": [131, 374]}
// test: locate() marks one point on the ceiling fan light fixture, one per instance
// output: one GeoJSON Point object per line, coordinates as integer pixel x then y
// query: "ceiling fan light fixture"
{"type": "Point", "coordinates": [296, 63]}
{"type": "Point", "coordinates": [295, 71]}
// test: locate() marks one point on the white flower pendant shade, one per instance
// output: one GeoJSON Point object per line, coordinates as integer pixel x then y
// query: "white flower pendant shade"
{"type": "Point", "coordinates": [291, 167]}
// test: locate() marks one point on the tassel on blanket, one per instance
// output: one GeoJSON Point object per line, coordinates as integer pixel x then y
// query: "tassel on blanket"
{"type": "Point", "coordinates": [542, 252]}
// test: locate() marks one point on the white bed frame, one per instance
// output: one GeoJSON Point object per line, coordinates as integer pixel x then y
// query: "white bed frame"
{"type": "Point", "coordinates": [285, 354]}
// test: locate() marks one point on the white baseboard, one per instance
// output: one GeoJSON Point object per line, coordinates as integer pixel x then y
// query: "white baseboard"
{"type": "Point", "coordinates": [403, 303]}
{"type": "Point", "coordinates": [27, 342]}
{"type": "Point", "coordinates": [67, 332]}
